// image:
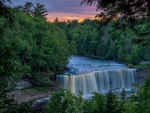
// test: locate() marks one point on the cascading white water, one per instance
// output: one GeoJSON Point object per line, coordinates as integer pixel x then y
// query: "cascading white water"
{"type": "Point", "coordinates": [99, 81]}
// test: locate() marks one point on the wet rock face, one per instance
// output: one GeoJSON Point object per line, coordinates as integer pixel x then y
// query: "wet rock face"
{"type": "Point", "coordinates": [26, 82]}
{"type": "Point", "coordinates": [23, 84]}
{"type": "Point", "coordinates": [141, 75]}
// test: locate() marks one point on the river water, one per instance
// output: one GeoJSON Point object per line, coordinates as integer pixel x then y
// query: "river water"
{"type": "Point", "coordinates": [80, 64]}
{"type": "Point", "coordinates": [89, 75]}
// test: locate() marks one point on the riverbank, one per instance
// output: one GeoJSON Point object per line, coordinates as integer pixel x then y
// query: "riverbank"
{"type": "Point", "coordinates": [141, 75]}
{"type": "Point", "coordinates": [33, 93]}
{"type": "Point", "coordinates": [83, 64]}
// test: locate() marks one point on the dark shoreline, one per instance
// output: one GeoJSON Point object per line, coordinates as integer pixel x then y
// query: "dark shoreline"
{"type": "Point", "coordinates": [141, 75]}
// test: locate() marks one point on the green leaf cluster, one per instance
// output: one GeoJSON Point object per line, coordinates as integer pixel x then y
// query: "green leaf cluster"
{"type": "Point", "coordinates": [63, 101]}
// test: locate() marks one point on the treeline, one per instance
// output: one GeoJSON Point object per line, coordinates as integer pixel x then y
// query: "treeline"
{"type": "Point", "coordinates": [29, 8]}
{"type": "Point", "coordinates": [38, 48]}
{"type": "Point", "coordinates": [114, 41]}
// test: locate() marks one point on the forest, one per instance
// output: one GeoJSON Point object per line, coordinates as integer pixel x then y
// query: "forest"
{"type": "Point", "coordinates": [108, 42]}
{"type": "Point", "coordinates": [30, 46]}
{"type": "Point", "coordinates": [38, 48]}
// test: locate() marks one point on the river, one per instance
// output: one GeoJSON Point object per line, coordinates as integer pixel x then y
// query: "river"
{"type": "Point", "coordinates": [88, 75]}
{"type": "Point", "coordinates": [80, 64]}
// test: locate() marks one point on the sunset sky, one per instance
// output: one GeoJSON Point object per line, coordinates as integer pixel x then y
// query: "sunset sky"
{"type": "Point", "coordinates": [63, 9]}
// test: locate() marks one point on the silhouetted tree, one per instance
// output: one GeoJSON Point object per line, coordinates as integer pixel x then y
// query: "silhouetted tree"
{"type": "Point", "coordinates": [5, 12]}
{"type": "Point", "coordinates": [56, 21]}
{"type": "Point", "coordinates": [27, 8]}
{"type": "Point", "coordinates": [127, 9]}
{"type": "Point", "coordinates": [40, 10]}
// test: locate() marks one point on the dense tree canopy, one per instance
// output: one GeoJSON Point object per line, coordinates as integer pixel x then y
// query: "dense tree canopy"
{"type": "Point", "coordinates": [107, 42]}
{"type": "Point", "coordinates": [40, 47]}
{"type": "Point", "coordinates": [31, 46]}
{"type": "Point", "coordinates": [127, 9]}
{"type": "Point", "coordinates": [7, 64]}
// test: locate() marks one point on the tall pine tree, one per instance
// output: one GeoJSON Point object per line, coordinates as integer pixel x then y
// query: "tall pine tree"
{"type": "Point", "coordinates": [40, 10]}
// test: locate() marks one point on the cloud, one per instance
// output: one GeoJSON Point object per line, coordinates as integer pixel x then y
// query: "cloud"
{"type": "Point", "coordinates": [69, 6]}
{"type": "Point", "coordinates": [65, 16]}
{"type": "Point", "coordinates": [62, 6]}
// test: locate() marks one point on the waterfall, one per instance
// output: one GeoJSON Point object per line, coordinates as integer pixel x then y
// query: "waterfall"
{"type": "Point", "coordinates": [99, 81]}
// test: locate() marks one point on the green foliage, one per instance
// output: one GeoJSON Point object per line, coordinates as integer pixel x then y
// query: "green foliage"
{"type": "Point", "coordinates": [107, 42]}
{"type": "Point", "coordinates": [62, 101]}
{"type": "Point", "coordinates": [120, 56]}
{"type": "Point", "coordinates": [127, 16]}
{"type": "Point", "coordinates": [97, 103]}
{"type": "Point", "coordinates": [134, 56]}
{"type": "Point", "coordinates": [41, 79]}
{"type": "Point", "coordinates": [111, 54]}
{"type": "Point", "coordinates": [7, 62]}
{"type": "Point", "coordinates": [38, 47]}
{"type": "Point", "coordinates": [30, 47]}
{"type": "Point", "coordinates": [128, 58]}
{"type": "Point", "coordinates": [6, 12]}
{"type": "Point", "coordinates": [147, 53]}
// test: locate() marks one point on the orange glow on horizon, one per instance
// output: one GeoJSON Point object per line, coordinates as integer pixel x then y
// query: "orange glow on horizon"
{"type": "Point", "coordinates": [68, 16]}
